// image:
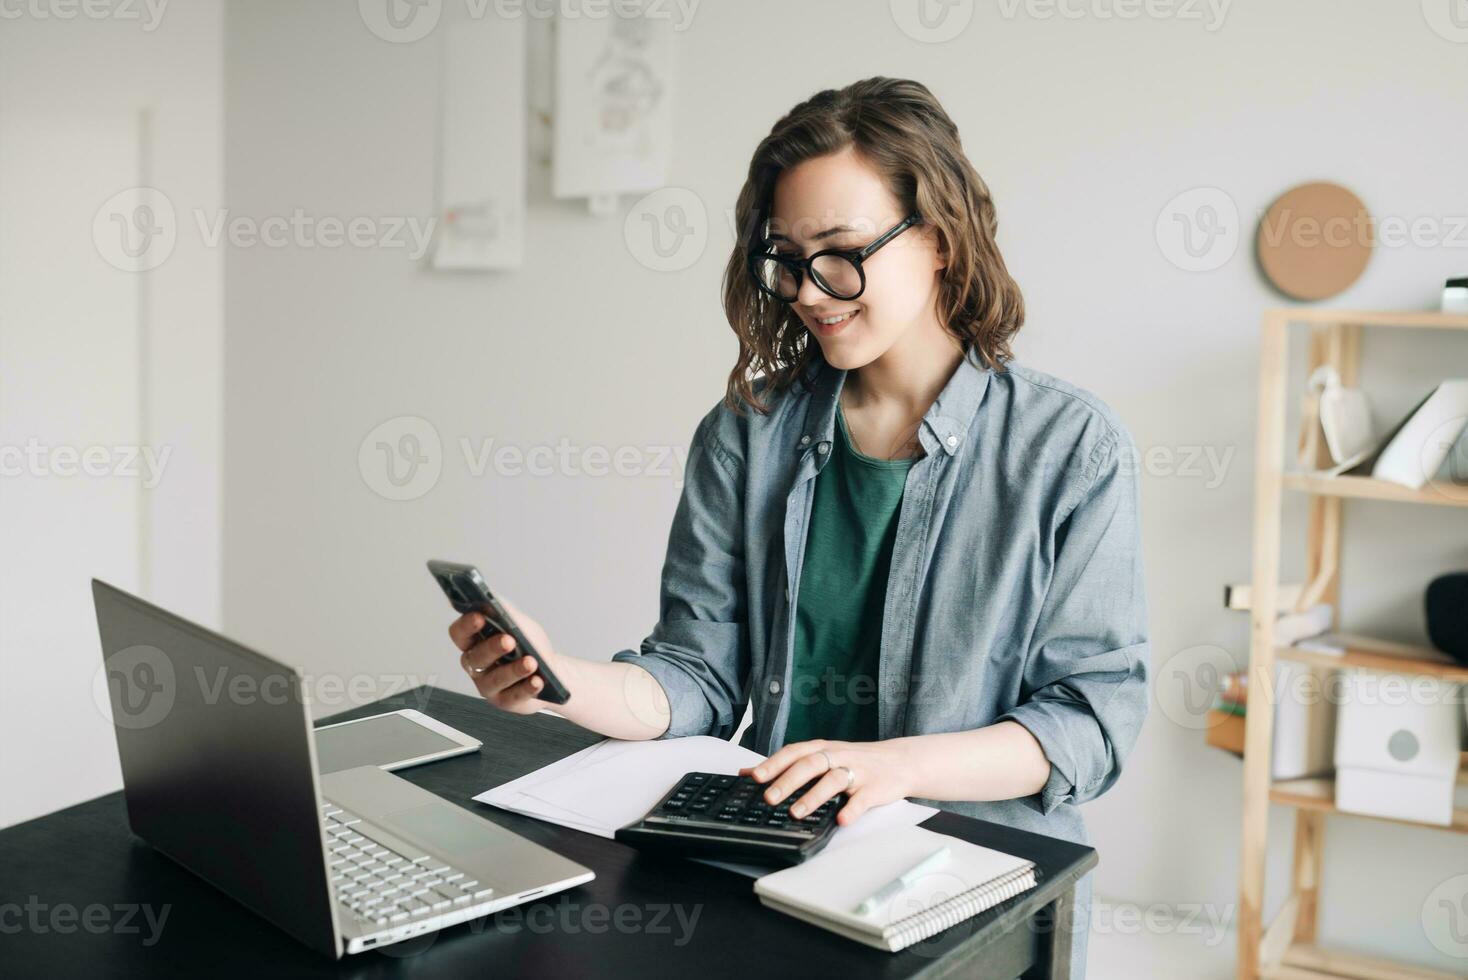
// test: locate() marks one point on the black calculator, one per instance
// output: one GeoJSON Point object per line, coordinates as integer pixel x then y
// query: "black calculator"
{"type": "Point", "coordinates": [726, 817]}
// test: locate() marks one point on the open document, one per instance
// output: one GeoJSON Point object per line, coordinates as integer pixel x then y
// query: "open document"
{"type": "Point", "coordinates": [613, 783]}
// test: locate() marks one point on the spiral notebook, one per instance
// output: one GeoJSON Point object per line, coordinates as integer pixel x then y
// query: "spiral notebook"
{"type": "Point", "coordinates": [826, 890]}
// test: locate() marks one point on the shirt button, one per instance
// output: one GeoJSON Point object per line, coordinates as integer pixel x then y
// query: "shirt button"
{"type": "Point", "coordinates": [805, 440]}
{"type": "Point", "coordinates": [787, 593]}
{"type": "Point", "coordinates": [822, 448]}
{"type": "Point", "coordinates": [953, 440]}
{"type": "Point", "coordinates": [774, 687]}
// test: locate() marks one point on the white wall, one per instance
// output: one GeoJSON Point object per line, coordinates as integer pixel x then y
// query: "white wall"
{"type": "Point", "coordinates": [1085, 128]}
{"type": "Point", "coordinates": [95, 101]}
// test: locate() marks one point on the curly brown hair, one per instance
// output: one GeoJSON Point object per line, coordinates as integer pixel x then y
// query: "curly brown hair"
{"type": "Point", "coordinates": [902, 131]}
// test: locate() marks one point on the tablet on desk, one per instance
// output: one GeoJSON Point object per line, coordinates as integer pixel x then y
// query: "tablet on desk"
{"type": "Point", "coordinates": [392, 741]}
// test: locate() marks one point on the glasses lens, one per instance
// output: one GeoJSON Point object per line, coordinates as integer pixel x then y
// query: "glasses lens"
{"type": "Point", "coordinates": [774, 276]}
{"type": "Point", "coordinates": [837, 275]}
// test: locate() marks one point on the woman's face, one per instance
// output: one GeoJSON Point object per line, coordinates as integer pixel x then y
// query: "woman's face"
{"type": "Point", "coordinates": [839, 201]}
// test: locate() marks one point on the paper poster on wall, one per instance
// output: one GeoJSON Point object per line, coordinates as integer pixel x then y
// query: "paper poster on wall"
{"type": "Point", "coordinates": [613, 119]}
{"type": "Point", "coordinates": [481, 192]}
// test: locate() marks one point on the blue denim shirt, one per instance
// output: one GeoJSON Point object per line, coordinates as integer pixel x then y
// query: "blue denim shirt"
{"type": "Point", "coordinates": [1015, 590]}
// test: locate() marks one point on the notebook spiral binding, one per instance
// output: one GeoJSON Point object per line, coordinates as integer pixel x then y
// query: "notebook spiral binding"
{"type": "Point", "coordinates": [950, 912]}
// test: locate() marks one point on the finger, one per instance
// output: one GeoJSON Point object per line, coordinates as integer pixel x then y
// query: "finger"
{"type": "Point", "coordinates": [484, 654]}
{"type": "Point", "coordinates": [520, 692]}
{"type": "Point", "coordinates": [833, 782]}
{"type": "Point", "coordinates": [500, 678]}
{"type": "Point", "coordinates": [856, 805]}
{"type": "Point", "coordinates": [802, 771]}
{"type": "Point", "coordinates": [464, 631]}
{"type": "Point", "coordinates": [782, 759]}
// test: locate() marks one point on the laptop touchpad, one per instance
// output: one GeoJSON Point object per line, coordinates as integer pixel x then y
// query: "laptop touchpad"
{"type": "Point", "coordinates": [445, 828]}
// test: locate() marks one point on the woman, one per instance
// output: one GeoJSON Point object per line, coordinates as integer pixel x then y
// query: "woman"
{"type": "Point", "coordinates": [917, 560]}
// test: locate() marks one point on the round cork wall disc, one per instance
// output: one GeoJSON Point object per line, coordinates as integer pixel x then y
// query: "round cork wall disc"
{"type": "Point", "coordinates": [1315, 241]}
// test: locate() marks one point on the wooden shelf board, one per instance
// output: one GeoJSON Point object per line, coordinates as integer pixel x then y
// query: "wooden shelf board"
{"type": "Point", "coordinates": [1307, 961]}
{"type": "Point", "coordinates": [1319, 794]}
{"type": "Point", "coordinates": [1443, 493]}
{"type": "Point", "coordinates": [1375, 318]}
{"type": "Point", "coordinates": [1372, 654]}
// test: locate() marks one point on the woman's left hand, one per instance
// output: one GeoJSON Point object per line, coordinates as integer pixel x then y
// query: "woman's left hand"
{"type": "Point", "coordinates": [879, 772]}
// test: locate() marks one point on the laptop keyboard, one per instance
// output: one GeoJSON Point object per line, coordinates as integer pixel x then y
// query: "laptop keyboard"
{"type": "Point", "coordinates": [383, 880]}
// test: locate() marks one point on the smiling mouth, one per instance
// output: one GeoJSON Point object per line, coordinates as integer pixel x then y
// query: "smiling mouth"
{"type": "Point", "coordinates": [832, 322]}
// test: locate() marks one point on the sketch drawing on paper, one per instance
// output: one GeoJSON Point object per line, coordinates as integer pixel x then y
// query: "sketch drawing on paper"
{"type": "Point", "coordinates": [613, 115]}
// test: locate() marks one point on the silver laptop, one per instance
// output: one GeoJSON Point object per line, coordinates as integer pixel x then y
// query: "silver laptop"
{"type": "Point", "coordinates": [219, 771]}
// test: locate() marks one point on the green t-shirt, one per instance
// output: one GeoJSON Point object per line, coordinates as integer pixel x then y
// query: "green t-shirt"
{"type": "Point", "coordinates": [843, 586]}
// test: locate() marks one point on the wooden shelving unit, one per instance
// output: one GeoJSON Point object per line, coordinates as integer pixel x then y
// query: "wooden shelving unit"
{"type": "Point", "coordinates": [1286, 948]}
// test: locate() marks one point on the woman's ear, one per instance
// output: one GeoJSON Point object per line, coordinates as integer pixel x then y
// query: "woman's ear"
{"type": "Point", "coordinates": [940, 249]}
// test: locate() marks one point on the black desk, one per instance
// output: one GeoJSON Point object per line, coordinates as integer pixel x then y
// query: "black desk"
{"type": "Point", "coordinates": [643, 915]}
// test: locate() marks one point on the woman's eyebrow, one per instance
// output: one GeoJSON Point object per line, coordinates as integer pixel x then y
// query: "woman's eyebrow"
{"type": "Point", "coordinates": [818, 236]}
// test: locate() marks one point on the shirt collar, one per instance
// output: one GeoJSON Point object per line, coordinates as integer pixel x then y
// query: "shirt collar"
{"type": "Point", "coordinates": [945, 424]}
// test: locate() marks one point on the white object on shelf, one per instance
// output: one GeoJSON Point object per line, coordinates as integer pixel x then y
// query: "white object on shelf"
{"type": "Point", "coordinates": [1304, 721]}
{"type": "Point", "coordinates": [1455, 296]}
{"type": "Point", "coordinates": [1345, 414]}
{"type": "Point", "coordinates": [1413, 452]}
{"type": "Point", "coordinates": [1291, 628]}
{"type": "Point", "coordinates": [1329, 644]}
{"type": "Point", "coordinates": [1397, 746]}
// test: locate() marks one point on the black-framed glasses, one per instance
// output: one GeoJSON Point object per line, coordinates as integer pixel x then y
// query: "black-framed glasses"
{"type": "Point", "coordinates": [837, 271]}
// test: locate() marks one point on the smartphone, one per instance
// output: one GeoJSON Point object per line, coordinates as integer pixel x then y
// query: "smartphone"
{"type": "Point", "coordinates": [468, 593]}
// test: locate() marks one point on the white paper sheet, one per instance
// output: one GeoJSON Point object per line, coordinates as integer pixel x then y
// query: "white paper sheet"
{"type": "Point", "coordinates": [481, 220]}
{"type": "Point", "coordinates": [613, 783]}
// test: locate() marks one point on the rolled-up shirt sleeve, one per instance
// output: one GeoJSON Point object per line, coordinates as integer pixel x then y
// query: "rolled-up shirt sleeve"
{"type": "Point", "coordinates": [698, 651]}
{"type": "Point", "coordinates": [1085, 680]}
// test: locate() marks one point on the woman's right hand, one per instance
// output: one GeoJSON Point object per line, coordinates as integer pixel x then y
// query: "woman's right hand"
{"type": "Point", "coordinates": [511, 686]}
